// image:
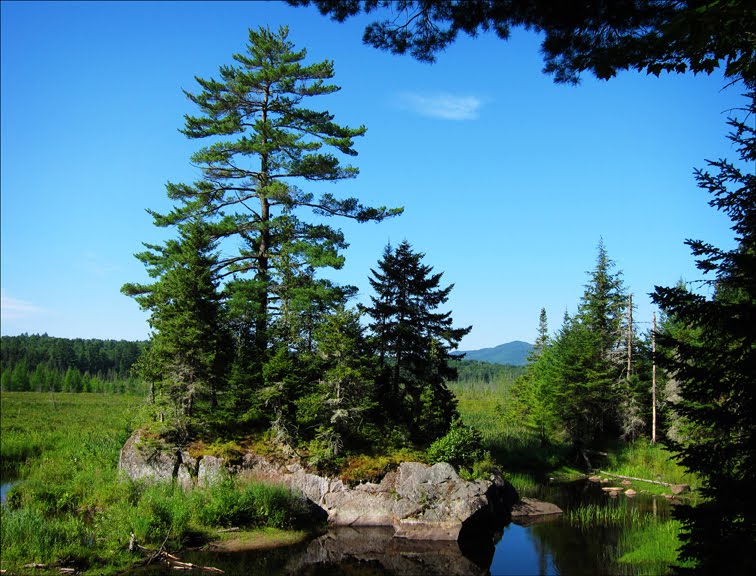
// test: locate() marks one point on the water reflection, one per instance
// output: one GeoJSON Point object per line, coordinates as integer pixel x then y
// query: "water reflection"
{"type": "Point", "coordinates": [354, 551]}
{"type": "Point", "coordinates": [376, 551]}
{"type": "Point", "coordinates": [554, 547]}
{"type": "Point", "coordinates": [520, 552]}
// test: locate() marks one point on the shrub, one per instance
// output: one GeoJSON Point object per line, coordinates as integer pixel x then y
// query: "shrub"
{"type": "Point", "coordinates": [462, 446]}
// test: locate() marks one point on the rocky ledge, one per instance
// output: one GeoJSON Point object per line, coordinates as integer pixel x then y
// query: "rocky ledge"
{"type": "Point", "coordinates": [420, 502]}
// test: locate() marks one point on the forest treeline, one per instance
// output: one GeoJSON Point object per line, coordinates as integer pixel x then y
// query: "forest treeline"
{"type": "Point", "coordinates": [41, 363]}
{"type": "Point", "coordinates": [38, 362]}
{"type": "Point", "coordinates": [485, 375]}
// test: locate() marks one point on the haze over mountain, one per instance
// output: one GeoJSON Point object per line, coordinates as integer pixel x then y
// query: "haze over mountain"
{"type": "Point", "coordinates": [514, 353]}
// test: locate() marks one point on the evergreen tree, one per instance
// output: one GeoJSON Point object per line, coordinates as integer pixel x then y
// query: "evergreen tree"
{"type": "Point", "coordinates": [602, 36]}
{"type": "Point", "coordinates": [263, 139]}
{"type": "Point", "coordinates": [542, 340]}
{"type": "Point", "coordinates": [603, 304]}
{"type": "Point", "coordinates": [263, 142]}
{"type": "Point", "coordinates": [189, 342]}
{"type": "Point", "coordinates": [716, 371]}
{"type": "Point", "coordinates": [675, 427]}
{"type": "Point", "coordinates": [414, 342]}
{"type": "Point", "coordinates": [532, 399]}
{"type": "Point", "coordinates": [583, 365]}
{"type": "Point", "coordinates": [342, 407]}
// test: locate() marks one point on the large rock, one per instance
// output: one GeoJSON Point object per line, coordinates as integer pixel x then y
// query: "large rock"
{"type": "Point", "coordinates": [530, 511]}
{"type": "Point", "coordinates": [150, 459]}
{"type": "Point", "coordinates": [419, 501]}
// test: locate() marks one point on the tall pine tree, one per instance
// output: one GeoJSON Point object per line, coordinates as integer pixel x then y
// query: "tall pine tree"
{"type": "Point", "coordinates": [263, 140]}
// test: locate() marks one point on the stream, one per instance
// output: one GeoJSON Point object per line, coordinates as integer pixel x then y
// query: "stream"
{"type": "Point", "coordinates": [550, 547]}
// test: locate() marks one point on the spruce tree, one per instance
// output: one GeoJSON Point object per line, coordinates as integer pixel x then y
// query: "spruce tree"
{"type": "Point", "coordinates": [603, 304]}
{"type": "Point", "coordinates": [716, 369]}
{"type": "Point", "coordinates": [583, 364]}
{"type": "Point", "coordinates": [532, 400]}
{"type": "Point", "coordinates": [341, 410]}
{"type": "Point", "coordinates": [542, 341]}
{"type": "Point", "coordinates": [188, 355]}
{"type": "Point", "coordinates": [414, 342]}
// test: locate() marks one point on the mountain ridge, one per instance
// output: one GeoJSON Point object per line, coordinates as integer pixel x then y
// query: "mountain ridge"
{"type": "Point", "coordinates": [514, 353]}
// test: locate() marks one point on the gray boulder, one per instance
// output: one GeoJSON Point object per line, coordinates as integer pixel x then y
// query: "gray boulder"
{"type": "Point", "coordinates": [420, 502]}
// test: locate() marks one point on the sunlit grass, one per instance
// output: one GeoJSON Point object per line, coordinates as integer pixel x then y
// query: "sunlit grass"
{"type": "Point", "coordinates": [619, 514]}
{"type": "Point", "coordinates": [642, 459]}
{"type": "Point", "coordinates": [514, 448]}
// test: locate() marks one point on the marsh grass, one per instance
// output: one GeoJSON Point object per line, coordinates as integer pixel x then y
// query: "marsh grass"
{"type": "Point", "coordinates": [617, 514]}
{"type": "Point", "coordinates": [515, 448]}
{"type": "Point", "coordinates": [71, 508]}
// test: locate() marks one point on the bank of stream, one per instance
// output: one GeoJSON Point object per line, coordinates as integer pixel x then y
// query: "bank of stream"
{"type": "Point", "coordinates": [592, 535]}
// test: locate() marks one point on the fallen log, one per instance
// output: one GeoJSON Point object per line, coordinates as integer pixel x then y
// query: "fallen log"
{"type": "Point", "coordinates": [176, 564]}
{"type": "Point", "coordinates": [636, 479]}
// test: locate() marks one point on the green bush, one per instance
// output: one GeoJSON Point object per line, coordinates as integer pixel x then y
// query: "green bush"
{"type": "Point", "coordinates": [462, 447]}
{"type": "Point", "coordinates": [250, 505]}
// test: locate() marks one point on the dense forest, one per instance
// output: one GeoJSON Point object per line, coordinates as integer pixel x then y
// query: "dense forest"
{"type": "Point", "coordinates": [42, 363]}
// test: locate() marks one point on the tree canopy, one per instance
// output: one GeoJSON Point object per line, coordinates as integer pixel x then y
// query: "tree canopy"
{"type": "Point", "coordinates": [601, 37]}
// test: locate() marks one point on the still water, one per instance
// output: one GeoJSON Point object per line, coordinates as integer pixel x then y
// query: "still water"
{"type": "Point", "coordinates": [5, 485]}
{"type": "Point", "coordinates": [551, 547]}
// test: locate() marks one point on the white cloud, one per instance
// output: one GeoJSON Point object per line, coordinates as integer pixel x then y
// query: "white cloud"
{"type": "Point", "coordinates": [14, 309]}
{"type": "Point", "coordinates": [442, 105]}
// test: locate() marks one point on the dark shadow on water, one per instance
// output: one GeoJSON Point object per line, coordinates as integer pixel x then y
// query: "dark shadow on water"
{"type": "Point", "coordinates": [346, 551]}
{"type": "Point", "coordinates": [371, 551]}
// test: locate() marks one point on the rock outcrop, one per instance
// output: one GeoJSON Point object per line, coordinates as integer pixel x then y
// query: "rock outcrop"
{"type": "Point", "coordinates": [530, 511]}
{"type": "Point", "coordinates": [420, 502]}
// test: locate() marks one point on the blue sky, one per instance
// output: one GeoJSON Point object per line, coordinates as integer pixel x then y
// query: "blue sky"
{"type": "Point", "coordinates": [508, 180]}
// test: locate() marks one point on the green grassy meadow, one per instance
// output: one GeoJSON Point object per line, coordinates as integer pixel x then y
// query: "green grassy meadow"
{"type": "Point", "coordinates": [69, 507]}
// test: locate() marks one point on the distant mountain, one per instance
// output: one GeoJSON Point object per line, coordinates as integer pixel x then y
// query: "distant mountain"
{"type": "Point", "coordinates": [514, 353]}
